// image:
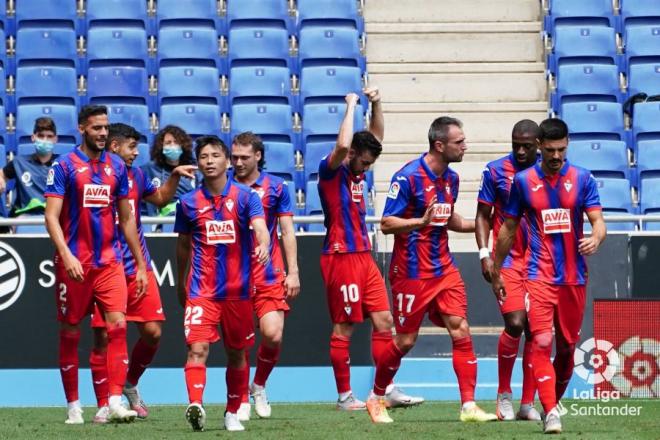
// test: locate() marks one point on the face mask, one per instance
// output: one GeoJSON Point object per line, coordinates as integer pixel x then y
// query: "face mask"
{"type": "Point", "coordinates": [172, 152]}
{"type": "Point", "coordinates": [43, 147]}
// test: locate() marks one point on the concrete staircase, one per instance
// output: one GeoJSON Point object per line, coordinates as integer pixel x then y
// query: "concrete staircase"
{"type": "Point", "coordinates": [478, 60]}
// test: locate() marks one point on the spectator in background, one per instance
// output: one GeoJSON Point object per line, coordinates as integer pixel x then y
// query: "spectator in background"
{"type": "Point", "coordinates": [172, 147]}
{"type": "Point", "coordinates": [30, 171]}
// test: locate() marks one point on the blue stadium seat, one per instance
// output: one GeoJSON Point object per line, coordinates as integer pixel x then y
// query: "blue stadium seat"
{"type": "Point", "coordinates": [270, 11]}
{"type": "Point", "coordinates": [201, 82]}
{"type": "Point", "coordinates": [583, 45]}
{"type": "Point", "coordinates": [279, 160]}
{"type": "Point", "coordinates": [46, 81]}
{"type": "Point", "coordinates": [650, 194]}
{"type": "Point", "coordinates": [638, 12]}
{"type": "Point", "coordinates": [644, 78]}
{"type": "Point", "coordinates": [99, 10]}
{"type": "Point", "coordinates": [38, 10]}
{"type": "Point", "coordinates": [586, 82]}
{"type": "Point", "coordinates": [259, 44]}
{"type": "Point", "coordinates": [173, 10]}
{"type": "Point", "coordinates": [259, 83]}
{"type": "Point", "coordinates": [47, 42]}
{"type": "Point", "coordinates": [323, 11]}
{"type": "Point", "coordinates": [3, 52]}
{"type": "Point", "coordinates": [65, 117]}
{"type": "Point", "coordinates": [314, 152]}
{"type": "Point", "coordinates": [134, 114]}
{"type": "Point", "coordinates": [196, 118]}
{"type": "Point", "coordinates": [189, 40]}
{"type": "Point", "coordinates": [594, 120]}
{"type": "Point", "coordinates": [615, 195]}
{"type": "Point", "coordinates": [648, 159]}
{"type": "Point", "coordinates": [110, 80]}
{"type": "Point", "coordinates": [643, 44]}
{"type": "Point", "coordinates": [646, 121]}
{"type": "Point", "coordinates": [583, 12]}
{"type": "Point", "coordinates": [313, 205]}
{"type": "Point", "coordinates": [3, 94]}
{"type": "Point", "coordinates": [330, 45]}
{"type": "Point", "coordinates": [117, 40]}
{"type": "Point", "coordinates": [273, 122]}
{"type": "Point", "coordinates": [602, 158]}
{"type": "Point", "coordinates": [330, 83]}
{"type": "Point", "coordinates": [321, 121]}
{"type": "Point", "coordinates": [5, 140]}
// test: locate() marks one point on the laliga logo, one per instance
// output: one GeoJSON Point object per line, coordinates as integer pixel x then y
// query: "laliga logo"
{"type": "Point", "coordinates": [639, 375]}
{"type": "Point", "coordinates": [12, 276]}
{"type": "Point", "coordinates": [596, 361]}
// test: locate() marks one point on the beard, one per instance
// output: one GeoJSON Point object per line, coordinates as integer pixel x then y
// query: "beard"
{"type": "Point", "coordinates": [91, 143]}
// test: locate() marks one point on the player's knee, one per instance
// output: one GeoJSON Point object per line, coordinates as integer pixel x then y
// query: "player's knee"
{"type": "Point", "coordinates": [152, 335]}
{"type": "Point", "coordinates": [405, 341]}
{"type": "Point", "coordinates": [273, 337]}
{"type": "Point", "coordinates": [235, 358]}
{"type": "Point", "coordinates": [383, 322]}
{"type": "Point", "coordinates": [565, 349]}
{"type": "Point", "coordinates": [514, 326]}
{"type": "Point", "coordinates": [197, 353]}
{"type": "Point", "coordinates": [543, 341]}
{"type": "Point", "coordinates": [458, 328]}
{"type": "Point", "coordinates": [100, 339]}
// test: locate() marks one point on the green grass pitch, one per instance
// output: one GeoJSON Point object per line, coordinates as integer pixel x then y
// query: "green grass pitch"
{"type": "Point", "coordinates": [322, 421]}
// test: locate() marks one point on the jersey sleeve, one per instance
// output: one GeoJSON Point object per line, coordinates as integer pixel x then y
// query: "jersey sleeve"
{"type": "Point", "coordinates": [591, 197]}
{"type": "Point", "coordinates": [182, 222]}
{"type": "Point", "coordinates": [148, 187]}
{"type": "Point", "coordinates": [514, 206]}
{"type": "Point", "coordinates": [325, 172]}
{"type": "Point", "coordinates": [487, 188]}
{"type": "Point", "coordinates": [398, 196]}
{"type": "Point", "coordinates": [56, 181]}
{"type": "Point", "coordinates": [284, 201]}
{"type": "Point", "coordinates": [122, 185]}
{"type": "Point", "coordinates": [255, 208]}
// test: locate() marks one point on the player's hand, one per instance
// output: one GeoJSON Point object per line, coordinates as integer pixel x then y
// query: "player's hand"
{"type": "Point", "coordinates": [588, 246]}
{"type": "Point", "coordinates": [73, 267]}
{"type": "Point", "coordinates": [185, 171]}
{"type": "Point", "coordinates": [352, 99]}
{"type": "Point", "coordinates": [262, 254]}
{"type": "Point", "coordinates": [372, 93]}
{"type": "Point", "coordinates": [497, 284]}
{"type": "Point", "coordinates": [428, 214]}
{"type": "Point", "coordinates": [292, 285]}
{"type": "Point", "coordinates": [141, 281]}
{"type": "Point", "coordinates": [487, 268]}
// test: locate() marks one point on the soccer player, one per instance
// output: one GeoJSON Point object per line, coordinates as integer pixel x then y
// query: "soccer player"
{"type": "Point", "coordinates": [419, 210]}
{"type": "Point", "coordinates": [86, 190]}
{"type": "Point", "coordinates": [493, 195]}
{"type": "Point", "coordinates": [145, 310]}
{"type": "Point", "coordinates": [553, 196]}
{"type": "Point", "coordinates": [215, 242]}
{"type": "Point", "coordinates": [274, 285]}
{"type": "Point", "coordinates": [354, 285]}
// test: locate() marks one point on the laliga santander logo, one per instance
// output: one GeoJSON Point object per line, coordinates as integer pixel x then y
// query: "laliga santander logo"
{"type": "Point", "coordinates": [596, 361]}
{"type": "Point", "coordinates": [640, 372]}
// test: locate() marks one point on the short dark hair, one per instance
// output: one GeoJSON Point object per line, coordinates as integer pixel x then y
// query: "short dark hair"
{"type": "Point", "coordinates": [91, 110]}
{"type": "Point", "coordinates": [181, 137]}
{"type": "Point", "coordinates": [526, 126]}
{"type": "Point", "coordinates": [249, 138]}
{"type": "Point", "coordinates": [44, 124]}
{"type": "Point", "coordinates": [553, 129]}
{"type": "Point", "coordinates": [203, 141]}
{"type": "Point", "coordinates": [366, 141]}
{"type": "Point", "coordinates": [439, 130]}
{"type": "Point", "coordinates": [120, 132]}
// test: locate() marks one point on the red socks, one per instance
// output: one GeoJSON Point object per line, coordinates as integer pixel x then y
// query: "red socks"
{"type": "Point", "coordinates": [341, 359]}
{"type": "Point", "coordinates": [69, 363]}
{"type": "Point", "coordinates": [379, 343]}
{"type": "Point", "coordinates": [389, 361]}
{"type": "Point", "coordinates": [237, 386]}
{"type": "Point", "coordinates": [544, 373]}
{"type": "Point", "coordinates": [563, 365]}
{"type": "Point", "coordinates": [267, 357]}
{"type": "Point", "coordinates": [195, 381]}
{"type": "Point", "coordinates": [99, 365]}
{"type": "Point", "coordinates": [117, 357]}
{"type": "Point", "coordinates": [528, 383]}
{"type": "Point", "coordinates": [141, 357]}
{"type": "Point", "coordinates": [507, 350]}
{"type": "Point", "coordinates": [465, 367]}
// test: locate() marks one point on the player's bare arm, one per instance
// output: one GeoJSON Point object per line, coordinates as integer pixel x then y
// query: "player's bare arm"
{"type": "Point", "coordinates": [52, 215]}
{"type": "Point", "coordinates": [502, 247]}
{"type": "Point", "coordinates": [345, 135]}
{"type": "Point", "coordinates": [129, 229]}
{"type": "Point", "coordinates": [183, 249]}
{"type": "Point", "coordinates": [589, 245]}
{"type": "Point", "coordinates": [458, 223]}
{"type": "Point", "coordinates": [377, 123]}
{"type": "Point", "coordinates": [262, 251]}
{"type": "Point", "coordinates": [292, 280]}
{"type": "Point", "coordinates": [482, 233]}
{"type": "Point", "coordinates": [166, 192]}
{"type": "Point", "coordinates": [397, 225]}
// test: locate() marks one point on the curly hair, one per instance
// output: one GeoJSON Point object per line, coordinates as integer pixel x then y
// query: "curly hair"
{"type": "Point", "coordinates": [182, 138]}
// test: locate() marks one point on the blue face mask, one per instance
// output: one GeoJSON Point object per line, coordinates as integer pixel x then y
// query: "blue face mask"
{"type": "Point", "coordinates": [172, 152]}
{"type": "Point", "coordinates": [43, 147]}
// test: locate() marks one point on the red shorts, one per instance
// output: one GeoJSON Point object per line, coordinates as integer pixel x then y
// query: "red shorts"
{"type": "Point", "coordinates": [145, 308]}
{"type": "Point", "coordinates": [412, 299]}
{"type": "Point", "coordinates": [203, 316]}
{"type": "Point", "coordinates": [514, 283]}
{"type": "Point", "coordinates": [353, 286]}
{"type": "Point", "coordinates": [551, 305]}
{"type": "Point", "coordinates": [104, 285]}
{"type": "Point", "coordinates": [268, 299]}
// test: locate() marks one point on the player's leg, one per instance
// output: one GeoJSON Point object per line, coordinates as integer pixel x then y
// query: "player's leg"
{"type": "Point", "coordinates": [568, 320]}
{"type": "Point", "coordinates": [98, 365]}
{"type": "Point", "coordinates": [527, 410]}
{"type": "Point", "coordinates": [271, 327]}
{"type": "Point", "coordinates": [507, 351]}
{"type": "Point", "coordinates": [143, 353]}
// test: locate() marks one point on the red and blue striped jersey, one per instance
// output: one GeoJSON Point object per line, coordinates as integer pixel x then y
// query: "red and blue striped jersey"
{"type": "Point", "coordinates": [342, 199]}
{"type": "Point", "coordinates": [422, 253]}
{"type": "Point", "coordinates": [222, 243]}
{"type": "Point", "coordinates": [139, 186]}
{"type": "Point", "coordinates": [494, 190]}
{"type": "Point", "coordinates": [554, 207]}
{"type": "Point", "coordinates": [274, 195]}
{"type": "Point", "coordinates": [90, 190]}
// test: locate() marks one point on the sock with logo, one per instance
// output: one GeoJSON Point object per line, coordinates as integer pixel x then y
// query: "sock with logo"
{"type": "Point", "coordinates": [341, 361]}
{"type": "Point", "coordinates": [195, 381]}
{"type": "Point", "coordinates": [388, 364]}
{"type": "Point", "coordinates": [69, 363]}
{"type": "Point", "coordinates": [237, 383]}
{"type": "Point", "coordinates": [117, 358]}
{"type": "Point", "coordinates": [267, 357]}
{"type": "Point", "coordinates": [99, 366]}
{"type": "Point", "coordinates": [465, 367]}
{"type": "Point", "coordinates": [507, 350]}
{"type": "Point", "coordinates": [141, 357]}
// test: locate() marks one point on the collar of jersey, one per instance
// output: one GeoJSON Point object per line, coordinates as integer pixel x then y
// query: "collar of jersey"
{"type": "Point", "coordinates": [562, 172]}
{"type": "Point", "coordinates": [84, 157]}
{"type": "Point", "coordinates": [225, 191]}
{"type": "Point", "coordinates": [258, 182]}
{"type": "Point", "coordinates": [429, 171]}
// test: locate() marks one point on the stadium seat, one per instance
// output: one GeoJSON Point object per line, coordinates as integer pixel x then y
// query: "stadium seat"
{"type": "Point", "coordinates": [279, 160]}
{"type": "Point", "coordinates": [47, 42]}
{"type": "Point", "coordinates": [259, 84]}
{"type": "Point", "coordinates": [330, 45]}
{"type": "Point", "coordinates": [616, 198]}
{"type": "Point", "coordinates": [273, 122]}
{"type": "Point", "coordinates": [134, 114]}
{"type": "Point", "coordinates": [271, 11]}
{"type": "Point", "coordinates": [644, 78]}
{"type": "Point", "coordinates": [648, 159]}
{"type": "Point", "coordinates": [582, 13]}
{"type": "Point", "coordinates": [189, 82]}
{"type": "Point", "coordinates": [646, 121]}
{"type": "Point", "coordinates": [314, 152]}
{"type": "Point", "coordinates": [173, 10]}
{"type": "Point", "coordinates": [594, 120]}
{"type": "Point", "coordinates": [259, 44]}
{"type": "Point", "coordinates": [650, 195]}
{"type": "Point", "coordinates": [99, 10]}
{"type": "Point", "coordinates": [583, 45]}
{"type": "Point", "coordinates": [46, 81]}
{"type": "Point", "coordinates": [188, 40]}
{"type": "Point", "coordinates": [321, 121]}
{"type": "Point", "coordinates": [3, 53]}
{"type": "Point", "coordinates": [313, 205]}
{"type": "Point", "coordinates": [643, 45]}
{"type": "Point", "coordinates": [196, 118]}
{"type": "Point", "coordinates": [3, 91]}
{"type": "Point", "coordinates": [117, 40]}
{"type": "Point", "coordinates": [38, 10]}
{"type": "Point", "coordinates": [65, 117]}
{"type": "Point", "coordinates": [602, 158]}
{"type": "Point", "coordinates": [324, 11]}
{"type": "Point", "coordinates": [638, 12]}
{"type": "Point", "coordinates": [5, 140]}
{"type": "Point", "coordinates": [107, 79]}
{"type": "Point", "coordinates": [586, 82]}
{"type": "Point", "coordinates": [330, 83]}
